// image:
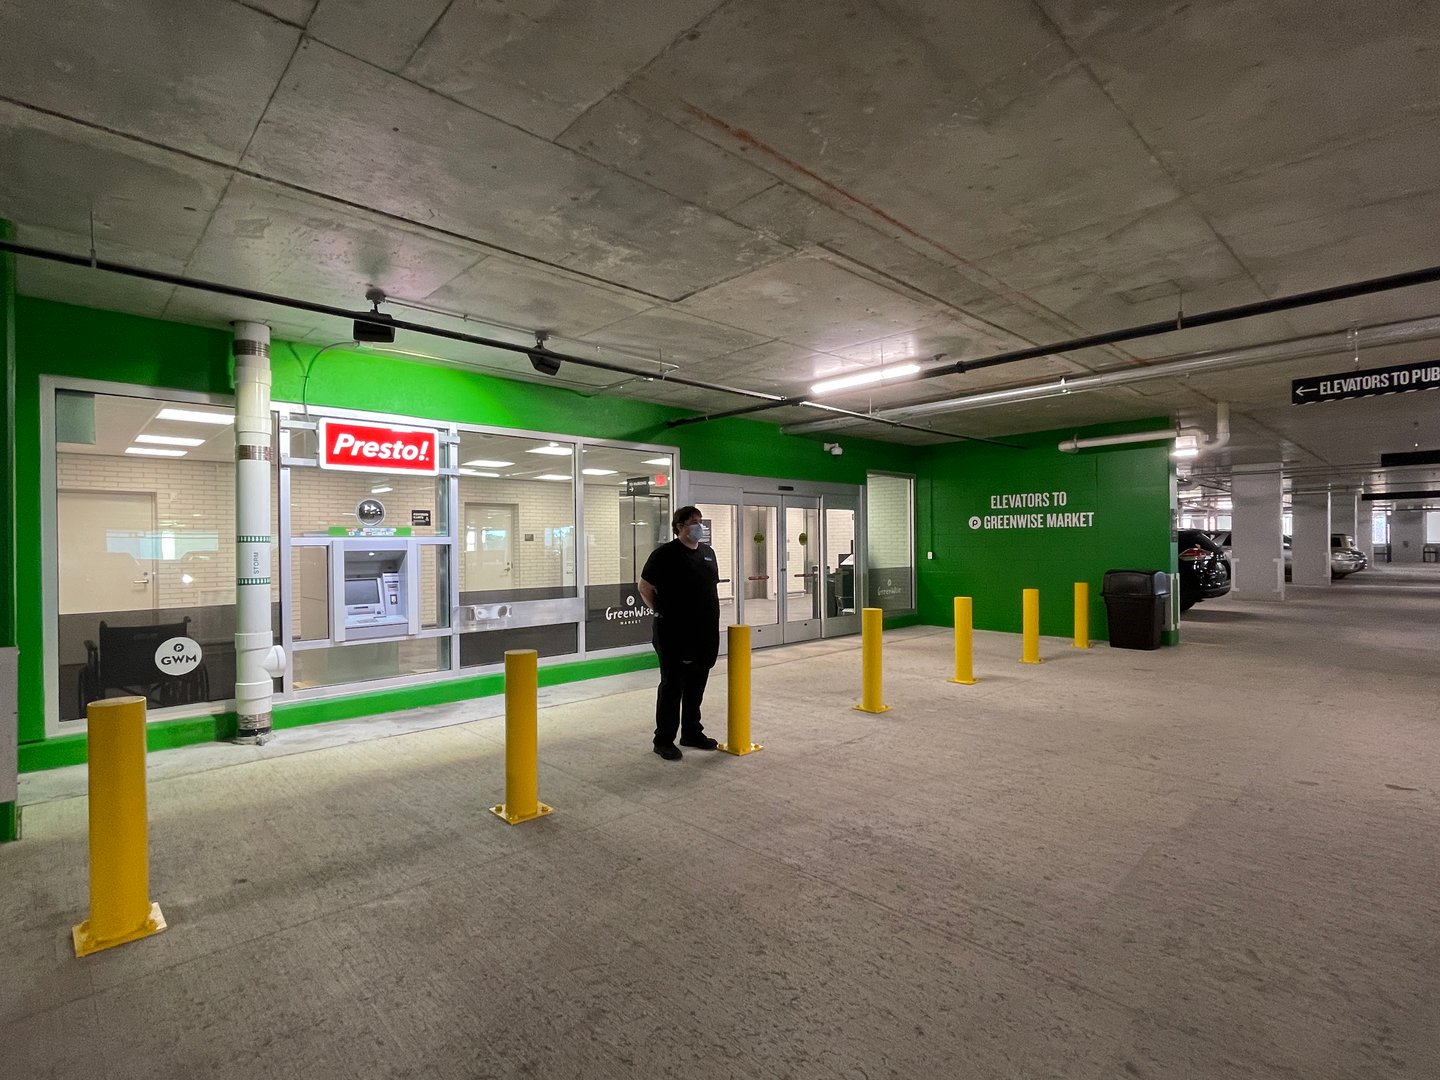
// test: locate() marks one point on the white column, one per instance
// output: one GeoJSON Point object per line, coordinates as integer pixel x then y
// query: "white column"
{"type": "Point", "coordinates": [1407, 533]}
{"type": "Point", "coordinates": [1365, 529]}
{"type": "Point", "coordinates": [1310, 542]}
{"type": "Point", "coordinates": [1255, 494]}
{"type": "Point", "coordinates": [258, 660]}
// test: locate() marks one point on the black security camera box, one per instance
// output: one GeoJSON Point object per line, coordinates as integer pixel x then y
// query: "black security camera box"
{"type": "Point", "coordinates": [372, 330]}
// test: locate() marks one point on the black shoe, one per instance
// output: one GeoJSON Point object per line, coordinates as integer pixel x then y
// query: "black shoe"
{"type": "Point", "coordinates": [703, 742]}
{"type": "Point", "coordinates": [669, 753]}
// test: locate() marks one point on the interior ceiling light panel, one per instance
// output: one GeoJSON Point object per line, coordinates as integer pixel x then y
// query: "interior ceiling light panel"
{"type": "Point", "coordinates": [195, 416]}
{"type": "Point", "coordinates": [169, 440]}
{"type": "Point", "coordinates": [552, 450]}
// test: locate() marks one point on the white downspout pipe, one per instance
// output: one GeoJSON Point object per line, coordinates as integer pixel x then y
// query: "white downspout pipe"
{"type": "Point", "coordinates": [1222, 427]}
{"type": "Point", "coordinates": [258, 660]}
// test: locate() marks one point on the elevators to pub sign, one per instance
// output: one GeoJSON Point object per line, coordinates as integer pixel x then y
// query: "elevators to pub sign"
{"type": "Point", "coordinates": [1373, 382]}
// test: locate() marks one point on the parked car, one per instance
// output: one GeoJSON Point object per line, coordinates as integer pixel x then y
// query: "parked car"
{"type": "Point", "coordinates": [1345, 557]}
{"type": "Point", "coordinates": [1204, 568]}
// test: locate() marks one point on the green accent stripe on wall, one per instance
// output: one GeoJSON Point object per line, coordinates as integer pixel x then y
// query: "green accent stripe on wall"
{"type": "Point", "coordinates": [168, 734]}
{"type": "Point", "coordinates": [9, 822]}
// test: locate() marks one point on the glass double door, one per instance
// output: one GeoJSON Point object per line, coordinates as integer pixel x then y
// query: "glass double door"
{"type": "Point", "coordinates": [774, 574]}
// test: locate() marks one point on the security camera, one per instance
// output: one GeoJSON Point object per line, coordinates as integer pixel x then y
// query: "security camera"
{"type": "Point", "coordinates": [834, 448]}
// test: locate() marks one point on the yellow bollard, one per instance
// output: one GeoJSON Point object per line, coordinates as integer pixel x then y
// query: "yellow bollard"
{"type": "Point", "coordinates": [1082, 614]}
{"type": "Point", "coordinates": [737, 725]}
{"type": "Point", "coordinates": [964, 641]}
{"type": "Point", "coordinates": [120, 907]}
{"type": "Point", "coordinates": [872, 624]}
{"type": "Point", "coordinates": [521, 767]}
{"type": "Point", "coordinates": [1030, 653]}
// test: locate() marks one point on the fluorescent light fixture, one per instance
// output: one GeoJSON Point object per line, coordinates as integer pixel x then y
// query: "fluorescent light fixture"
{"type": "Point", "coordinates": [554, 450]}
{"type": "Point", "coordinates": [485, 463]}
{"type": "Point", "coordinates": [169, 440]}
{"type": "Point", "coordinates": [477, 472]}
{"type": "Point", "coordinates": [380, 490]}
{"type": "Point", "coordinates": [1191, 494]}
{"type": "Point", "coordinates": [194, 416]}
{"type": "Point", "coordinates": [656, 461]}
{"type": "Point", "coordinates": [598, 472]}
{"type": "Point", "coordinates": [1186, 446]}
{"type": "Point", "coordinates": [865, 378]}
{"type": "Point", "coordinates": [553, 476]}
{"type": "Point", "coordinates": [154, 451]}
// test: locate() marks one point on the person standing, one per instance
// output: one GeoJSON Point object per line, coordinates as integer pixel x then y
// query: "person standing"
{"type": "Point", "coordinates": [680, 584]}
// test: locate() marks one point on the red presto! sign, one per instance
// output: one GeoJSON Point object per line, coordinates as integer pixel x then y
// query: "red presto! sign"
{"type": "Point", "coordinates": [375, 448]}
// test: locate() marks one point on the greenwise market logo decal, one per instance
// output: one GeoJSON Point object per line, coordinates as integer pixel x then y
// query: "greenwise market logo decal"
{"type": "Point", "coordinates": [975, 521]}
{"type": "Point", "coordinates": [631, 612]}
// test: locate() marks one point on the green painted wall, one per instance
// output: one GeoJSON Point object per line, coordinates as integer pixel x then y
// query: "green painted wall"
{"type": "Point", "coordinates": [8, 537]}
{"type": "Point", "coordinates": [60, 339]}
{"type": "Point", "coordinates": [1127, 488]}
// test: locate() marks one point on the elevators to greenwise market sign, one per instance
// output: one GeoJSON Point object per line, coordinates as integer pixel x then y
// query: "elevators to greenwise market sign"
{"type": "Point", "coordinates": [1399, 379]}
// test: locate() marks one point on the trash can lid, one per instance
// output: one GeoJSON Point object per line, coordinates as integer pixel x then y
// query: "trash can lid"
{"type": "Point", "coordinates": [1136, 583]}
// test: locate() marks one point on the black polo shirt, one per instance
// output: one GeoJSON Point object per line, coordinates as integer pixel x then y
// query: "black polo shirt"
{"type": "Point", "coordinates": [687, 602]}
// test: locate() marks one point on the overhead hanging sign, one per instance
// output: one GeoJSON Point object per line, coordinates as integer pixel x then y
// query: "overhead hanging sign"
{"type": "Point", "coordinates": [1400, 379]}
{"type": "Point", "coordinates": [357, 447]}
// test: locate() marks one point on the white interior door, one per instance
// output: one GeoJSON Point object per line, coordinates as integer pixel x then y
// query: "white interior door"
{"type": "Point", "coordinates": [109, 550]}
{"type": "Point", "coordinates": [489, 551]}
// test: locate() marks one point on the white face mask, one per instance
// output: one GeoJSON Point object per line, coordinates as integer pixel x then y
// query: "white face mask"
{"type": "Point", "coordinates": [695, 532]}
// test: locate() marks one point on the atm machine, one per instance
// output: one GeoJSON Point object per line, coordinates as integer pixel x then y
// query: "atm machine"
{"type": "Point", "coordinates": [367, 593]}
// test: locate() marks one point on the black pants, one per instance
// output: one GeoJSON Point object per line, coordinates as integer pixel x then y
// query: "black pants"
{"type": "Point", "coordinates": [677, 702]}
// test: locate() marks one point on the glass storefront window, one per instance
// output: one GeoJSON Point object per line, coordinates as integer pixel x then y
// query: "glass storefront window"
{"type": "Point", "coordinates": [145, 529]}
{"type": "Point", "coordinates": [517, 518]}
{"type": "Point", "coordinates": [627, 516]}
{"type": "Point", "coordinates": [890, 544]}
{"type": "Point", "coordinates": [719, 522]}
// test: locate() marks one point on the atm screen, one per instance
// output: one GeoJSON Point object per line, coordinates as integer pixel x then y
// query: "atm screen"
{"type": "Point", "coordinates": [360, 591]}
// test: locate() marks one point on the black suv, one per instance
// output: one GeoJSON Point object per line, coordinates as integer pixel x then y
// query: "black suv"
{"type": "Point", "coordinates": [1204, 569]}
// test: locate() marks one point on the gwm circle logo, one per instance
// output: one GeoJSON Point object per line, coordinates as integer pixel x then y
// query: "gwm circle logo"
{"type": "Point", "coordinates": [975, 522]}
{"type": "Point", "coordinates": [178, 656]}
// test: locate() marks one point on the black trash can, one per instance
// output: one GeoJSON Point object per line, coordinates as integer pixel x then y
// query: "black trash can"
{"type": "Point", "coordinates": [1135, 602]}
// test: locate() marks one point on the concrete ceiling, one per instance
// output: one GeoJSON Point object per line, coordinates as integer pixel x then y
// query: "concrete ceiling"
{"type": "Point", "coordinates": [761, 195]}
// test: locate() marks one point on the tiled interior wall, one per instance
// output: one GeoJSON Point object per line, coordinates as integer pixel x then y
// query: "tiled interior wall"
{"type": "Point", "coordinates": [602, 534]}
{"type": "Point", "coordinates": [887, 538]}
{"type": "Point", "coordinates": [190, 497]}
{"type": "Point", "coordinates": [541, 558]}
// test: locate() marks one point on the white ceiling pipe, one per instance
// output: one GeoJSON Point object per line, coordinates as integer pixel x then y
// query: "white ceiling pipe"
{"type": "Point", "coordinates": [1365, 337]}
{"type": "Point", "coordinates": [1222, 427]}
{"type": "Point", "coordinates": [1070, 446]}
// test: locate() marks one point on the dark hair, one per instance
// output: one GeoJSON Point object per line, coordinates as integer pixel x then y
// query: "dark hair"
{"type": "Point", "coordinates": [681, 516]}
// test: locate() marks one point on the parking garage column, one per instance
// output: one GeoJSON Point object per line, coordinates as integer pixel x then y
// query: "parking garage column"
{"type": "Point", "coordinates": [1345, 514]}
{"type": "Point", "coordinates": [1365, 529]}
{"type": "Point", "coordinates": [1407, 533]}
{"type": "Point", "coordinates": [1310, 542]}
{"type": "Point", "coordinates": [1255, 493]}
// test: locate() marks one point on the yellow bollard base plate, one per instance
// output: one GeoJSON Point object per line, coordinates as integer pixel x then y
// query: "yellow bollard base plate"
{"type": "Point", "coordinates": [515, 819]}
{"type": "Point", "coordinates": [862, 708]}
{"type": "Point", "coordinates": [964, 682]}
{"type": "Point", "coordinates": [1024, 661]}
{"type": "Point", "coordinates": [740, 751]}
{"type": "Point", "coordinates": [86, 942]}
{"type": "Point", "coordinates": [1079, 646]}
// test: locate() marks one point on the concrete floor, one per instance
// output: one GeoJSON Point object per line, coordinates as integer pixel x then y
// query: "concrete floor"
{"type": "Point", "coordinates": [1211, 862]}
